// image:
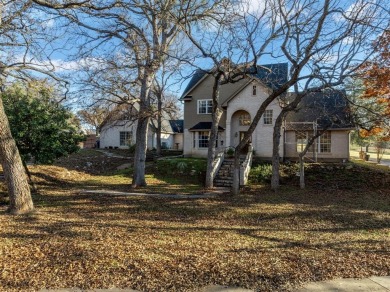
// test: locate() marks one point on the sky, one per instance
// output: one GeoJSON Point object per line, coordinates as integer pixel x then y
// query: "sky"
{"type": "Point", "coordinates": [63, 50]}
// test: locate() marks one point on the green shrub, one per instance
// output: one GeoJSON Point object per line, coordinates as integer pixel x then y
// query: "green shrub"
{"type": "Point", "coordinates": [186, 166]}
{"type": "Point", "coordinates": [260, 173]}
{"type": "Point", "coordinates": [230, 152]}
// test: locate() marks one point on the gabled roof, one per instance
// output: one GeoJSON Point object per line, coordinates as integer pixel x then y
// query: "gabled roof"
{"type": "Point", "coordinates": [272, 75]}
{"type": "Point", "coordinates": [198, 75]}
{"type": "Point", "coordinates": [166, 126]}
{"type": "Point", "coordinates": [329, 108]}
{"type": "Point", "coordinates": [126, 114]}
{"type": "Point", "coordinates": [177, 125]}
{"type": "Point", "coordinates": [121, 114]}
{"type": "Point", "coordinates": [240, 88]}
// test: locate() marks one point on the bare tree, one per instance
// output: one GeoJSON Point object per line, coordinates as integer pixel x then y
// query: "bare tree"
{"type": "Point", "coordinates": [228, 42]}
{"type": "Point", "coordinates": [140, 31]}
{"type": "Point", "coordinates": [23, 35]}
{"type": "Point", "coordinates": [106, 84]}
{"type": "Point", "coordinates": [94, 116]}
{"type": "Point", "coordinates": [162, 97]}
{"type": "Point", "coordinates": [323, 43]}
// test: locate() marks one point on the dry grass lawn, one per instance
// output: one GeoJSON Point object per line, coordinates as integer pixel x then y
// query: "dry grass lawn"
{"type": "Point", "coordinates": [338, 227]}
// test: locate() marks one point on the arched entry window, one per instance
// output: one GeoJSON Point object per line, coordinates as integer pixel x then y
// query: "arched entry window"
{"type": "Point", "coordinates": [244, 119]}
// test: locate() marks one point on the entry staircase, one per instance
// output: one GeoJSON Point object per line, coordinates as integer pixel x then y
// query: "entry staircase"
{"type": "Point", "coordinates": [224, 177]}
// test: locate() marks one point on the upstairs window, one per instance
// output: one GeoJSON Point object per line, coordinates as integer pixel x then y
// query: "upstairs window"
{"type": "Point", "coordinates": [205, 106]}
{"type": "Point", "coordinates": [267, 117]}
{"type": "Point", "coordinates": [254, 90]}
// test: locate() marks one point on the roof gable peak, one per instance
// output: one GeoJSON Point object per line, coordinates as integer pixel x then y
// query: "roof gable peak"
{"type": "Point", "coordinates": [272, 75]}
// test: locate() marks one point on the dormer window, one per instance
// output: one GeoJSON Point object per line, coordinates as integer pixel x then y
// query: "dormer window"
{"type": "Point", "coordinates": [254, 90]}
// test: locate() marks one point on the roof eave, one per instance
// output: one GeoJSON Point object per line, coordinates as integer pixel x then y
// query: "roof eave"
{"type": "Point", "coordinates": [206, 74]}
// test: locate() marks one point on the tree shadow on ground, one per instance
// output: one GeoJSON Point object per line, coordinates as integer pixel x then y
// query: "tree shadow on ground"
{"type": "Point", "coordinates": [258, 209]}
{"type": "Point", "coordinates": [258, 239]}
{"type": "Point", "coordinates": [260, 212]}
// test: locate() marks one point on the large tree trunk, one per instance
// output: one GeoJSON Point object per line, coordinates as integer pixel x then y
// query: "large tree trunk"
{"type": "Point", "coordinates": [301, 171]}
{"type": "Point", "coordinates": [303, 153]}
{"type": "Point", "coordinates": [33, 186]}
{"type": "Point", "coordinates": [212, 149]}
{"type": "Point", "coordinates": [159, 116]}
{"type": "Point", "coordinates": [140, 153]}
{"type": "Point", "coordinates": [236, 173]}
{"type": "Point", "coordinates": [142, 134]}
{"type": "Point", "coordinates": [216, 117]}
{"type": "Point", "coordinates": [14, 173]}
{"type": "Point", "coordinates": [275, 180]}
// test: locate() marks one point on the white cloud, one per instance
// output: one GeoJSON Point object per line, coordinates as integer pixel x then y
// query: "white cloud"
{"type": "Point", "coordinates": [255, 7]}
{"type": "Point", "coordinates": [348, 41]}
{"type": "Point", "coordinates": [59, 65]}
{"type": "Point", "coordinates": [48, 23]}
{"type": "Point", "coordinates": [361, 10]}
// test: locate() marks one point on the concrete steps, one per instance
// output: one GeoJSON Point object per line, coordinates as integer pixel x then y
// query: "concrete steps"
{"type": "Point", "coordinates": [224, 177]}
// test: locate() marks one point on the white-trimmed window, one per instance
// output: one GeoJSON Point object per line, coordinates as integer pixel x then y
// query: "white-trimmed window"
{"type": "Point", "coordinates": [267, 117]}
{"type": "Point", "coordinates": [205, 106]}
{"type": "Point", "coordinates": [244, 119]}
{"type": "Point", "coordinates": [125, 138]}
{"type": "Point", "coordinates": [325, 142]}
{"type": "Point", "coordinates": [203, 139]}
{"type": "Point", "coordinates": [254, 90]}
{"type": "Point", "coordinates": [302, 138]}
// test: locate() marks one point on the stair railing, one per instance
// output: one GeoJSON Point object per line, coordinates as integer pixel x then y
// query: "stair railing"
{"type": "Point", "coordinates": [246, 166]}
{"type": "Point", "coordinates": [219, 158]}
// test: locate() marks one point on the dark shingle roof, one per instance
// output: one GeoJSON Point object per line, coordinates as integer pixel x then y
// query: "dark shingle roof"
{"type": "Point", "coordinates": [329, 108]}
{"type": "Point", "coordinates": [273, 75]}
{"type": "Point", "coordinates": [177, 125]}
{"type": "Point", "coordinates": [204, 126]}
{"type": "Point", "coordinates": [198, 75]}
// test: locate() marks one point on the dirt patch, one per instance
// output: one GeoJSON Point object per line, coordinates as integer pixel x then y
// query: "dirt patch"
{"type": "Point", "coordinates": [93, 162]}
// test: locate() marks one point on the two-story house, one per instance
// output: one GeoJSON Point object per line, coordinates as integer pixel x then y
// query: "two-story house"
{"type": "Point", "coordinates": [240, 102]}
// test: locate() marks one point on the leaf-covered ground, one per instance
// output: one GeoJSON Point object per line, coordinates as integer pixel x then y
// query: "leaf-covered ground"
{"type": "Point", "coordinates": [338, 227]}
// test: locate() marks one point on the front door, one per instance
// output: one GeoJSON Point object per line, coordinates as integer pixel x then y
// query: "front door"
{"type": "Point", "coordinates": [245, 149]}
